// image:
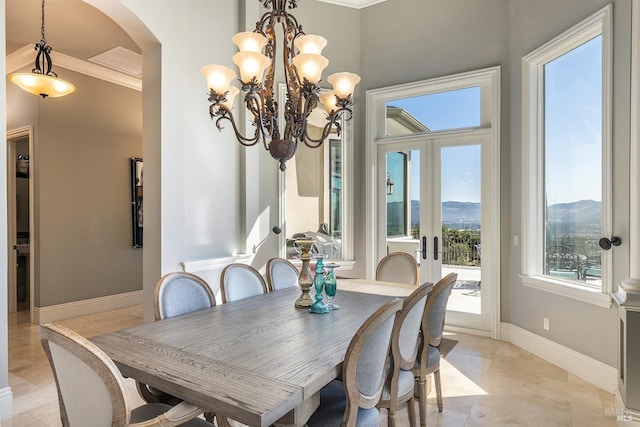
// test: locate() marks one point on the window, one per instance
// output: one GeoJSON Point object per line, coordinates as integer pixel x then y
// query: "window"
{"type": "Point", "coordinates": [447, 110]}
{"type": "Point", "coordinates": [566, 134]}
{"type": "Point", "coordinates": [316, 200]}
{"type": "Point", "coordinates": [397, 197]}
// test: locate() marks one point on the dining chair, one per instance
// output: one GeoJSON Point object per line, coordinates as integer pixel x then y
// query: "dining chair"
{"type": "Point", "coordinates": [400, 384]}
{"type": "Point", "coordinates": [281, 273]}
{"type": "Point", "coordinates": [429, 352]}
{"type": "Point", "coordinates": [238, 281]}
{"type": "Point", "coordinates": [398, 267]}
{"type": "Point", "coordinates": [179, 293]}
{"type": "Point", "coordinates": [352, 401]}
{"type": "Point", "coordinates": [176, 294]}
{"type": "Point", "coordinates": [91, 390]}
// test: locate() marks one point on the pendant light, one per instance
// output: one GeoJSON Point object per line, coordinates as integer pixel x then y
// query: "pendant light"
{"type": "Point", "coordinates": [41, 80]}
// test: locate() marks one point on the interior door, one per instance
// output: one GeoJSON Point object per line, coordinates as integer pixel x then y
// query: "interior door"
{"type": "Point", "coordinates": [431, 193]}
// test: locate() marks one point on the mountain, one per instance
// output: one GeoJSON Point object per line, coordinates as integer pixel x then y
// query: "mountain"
{"type": "Point", "coordinates": [575, 217]}
{"type": "Point", "coordinates": [465, 215]}
{"type": "Point", "coordinates": [580, 217]}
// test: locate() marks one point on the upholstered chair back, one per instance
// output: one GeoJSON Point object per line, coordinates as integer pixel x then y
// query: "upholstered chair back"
{"type": "Point", "coordinates": [180, 293]}
{"type": "Point", "coordinates": [398, 267]}
{"type": "Point", "coordinates": [281, 274]}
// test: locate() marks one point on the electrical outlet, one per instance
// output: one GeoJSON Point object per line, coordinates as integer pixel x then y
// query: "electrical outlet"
{"type": "Point", "coordinates": [545, 323]}
{"type": "Point", "coordinates": [516, 240]}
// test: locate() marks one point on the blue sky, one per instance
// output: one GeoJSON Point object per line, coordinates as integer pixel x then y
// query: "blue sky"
{"type": "Point", "coordinates": [573, 125]}
{"type": "Point", "coordinates": [443, 111]}
{"type": "Point", "coordinates": [572, 133]}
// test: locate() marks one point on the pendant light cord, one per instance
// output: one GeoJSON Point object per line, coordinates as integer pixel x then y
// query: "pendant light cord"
{"type": "Point", "coordinates": [43, 41]}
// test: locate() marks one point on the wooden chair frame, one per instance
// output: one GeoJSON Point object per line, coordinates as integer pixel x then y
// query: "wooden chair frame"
{"type": "Point", "coordinates": [414, 271]}
{"type": "Point", "coordinates": [271, 263]}
{"type": "Point", "coordinates": [422, 371]}
{"type": "Point", "coordinates": [104, 367]}
{"type": "Point", "coordinates": [223, 278]}
{"type": "Point", "coordinates": [355, 399]}
{"type": "Point", "coordinates": [398, 362]}
{"type": "Point", "coordinates": [164, 280]}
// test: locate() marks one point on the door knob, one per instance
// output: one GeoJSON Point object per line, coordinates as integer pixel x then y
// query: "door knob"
{"type": "Point", "coordinates": [606, 243]}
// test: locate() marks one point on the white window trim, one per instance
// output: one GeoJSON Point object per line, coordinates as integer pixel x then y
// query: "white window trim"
{"type": "Point", "coordinates": [533, 158]}
{"type": "Point", "coordinates": [489, 81]}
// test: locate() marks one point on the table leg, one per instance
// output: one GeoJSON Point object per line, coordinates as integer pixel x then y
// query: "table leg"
{"type": "Point", "coordinates": [299, 416]}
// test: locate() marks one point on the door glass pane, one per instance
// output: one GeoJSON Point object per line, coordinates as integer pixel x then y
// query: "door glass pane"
{"type": "Point", "coordinates": [454, 109]}
{"type": "Point", "coordinates": [397, 203]}
{"type": "Point", "coordinates": [573, 164]}
{"type": "Point", "coordinates": [461, 219]}
{"type": "Point", "coordinates": [403, 201]}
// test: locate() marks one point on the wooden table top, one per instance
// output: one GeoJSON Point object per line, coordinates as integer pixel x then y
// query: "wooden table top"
{"type": "Point", "coordinates": [252, 360]}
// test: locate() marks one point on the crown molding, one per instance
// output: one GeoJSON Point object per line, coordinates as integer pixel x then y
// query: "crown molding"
{"type": "Point", "coordinates": [356, 4]}
{"type": "Point", "coordinates": [25, 56]}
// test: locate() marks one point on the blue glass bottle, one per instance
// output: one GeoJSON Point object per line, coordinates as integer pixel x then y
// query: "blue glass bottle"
{"type": "Point", "coordinates": [318, 283]}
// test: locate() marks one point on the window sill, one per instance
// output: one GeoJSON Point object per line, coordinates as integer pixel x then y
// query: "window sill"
{"type": "Point", "coordinates": [568, 289]}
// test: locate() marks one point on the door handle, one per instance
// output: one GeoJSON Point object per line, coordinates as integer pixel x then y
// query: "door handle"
{"type": "Point", "coordinates": [435, 248]}
{"type": "Point", "coordinates": [424, 247]}
{"type": "Point", "coordinates": [606, 243]}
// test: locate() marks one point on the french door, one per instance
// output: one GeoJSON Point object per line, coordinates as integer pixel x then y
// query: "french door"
{"type": "Point", "coordinates": [433, 202]}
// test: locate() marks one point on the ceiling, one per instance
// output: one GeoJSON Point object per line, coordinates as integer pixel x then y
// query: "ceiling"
{"type": "Point", "coordinates": [72, 27]}
{"type": "Point", "coordinates": [78, 30]}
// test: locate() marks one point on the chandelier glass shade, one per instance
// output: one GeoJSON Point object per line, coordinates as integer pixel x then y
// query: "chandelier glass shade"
{"type": "Point", "coordinates": [42, 80]}
{"type": "Point", "coordinates": [303, 65]}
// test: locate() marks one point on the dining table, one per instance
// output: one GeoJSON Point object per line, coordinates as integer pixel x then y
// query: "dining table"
{"type": "Point", "coordinates": [258, 360]}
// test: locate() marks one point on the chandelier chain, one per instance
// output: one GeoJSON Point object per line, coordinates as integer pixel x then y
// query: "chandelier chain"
{"type": "Point", "coordinates": [43, 41]}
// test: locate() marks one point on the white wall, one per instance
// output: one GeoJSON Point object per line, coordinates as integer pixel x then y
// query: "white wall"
{"type": "Point", "coordinates": [192, 207]}
{"type": "Point", "coordinates": [5, 394]}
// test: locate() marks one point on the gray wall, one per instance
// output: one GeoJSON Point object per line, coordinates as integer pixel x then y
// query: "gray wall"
{"type": "Point", "coordinates": [446, 37]}
{"type": "Point", "coordinates": [82, 145]}
{"type": "Point", "coordinates": [452, 36]}
{"type": "Point", "coordinates": [583, 327]}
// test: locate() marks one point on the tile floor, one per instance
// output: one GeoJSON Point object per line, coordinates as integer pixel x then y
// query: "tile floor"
{"type": "Point", "coordinates": [485, 382]}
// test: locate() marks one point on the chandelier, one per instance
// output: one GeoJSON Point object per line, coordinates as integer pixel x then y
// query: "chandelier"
{"type": "Point", "coordinates": [303, 65]}
{"type": "Point", "coordinates": [41, 80]}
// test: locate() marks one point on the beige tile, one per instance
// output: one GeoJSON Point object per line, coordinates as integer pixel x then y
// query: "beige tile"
{"type": "Point", "coordinates": [585, 416]}
{"type": "Point", "coordinates": [485, 382]}
{"type": "Point", "coordinates": [581, 394]}
{"type": "Point", "coordinates": [518, 410]}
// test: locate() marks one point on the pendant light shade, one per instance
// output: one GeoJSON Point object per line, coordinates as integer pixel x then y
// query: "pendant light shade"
{"type": "Point", "coordinates": [43, 85]}
{"type": "Point", "coordinates": [42, 80]}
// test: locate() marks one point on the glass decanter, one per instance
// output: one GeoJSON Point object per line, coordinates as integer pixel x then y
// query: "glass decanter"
{"type": "Point", "coordinates": [330, 286]}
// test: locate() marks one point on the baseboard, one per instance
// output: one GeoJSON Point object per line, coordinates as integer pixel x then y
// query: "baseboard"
{"type": "Point", "coordinates": [468, 331]}
{"type": "Point", "coordinates": [593, 371]}
{"type": "Point", "coordinates": [6, 403]}
{"type": "Point", "coordinates": [69, 310]}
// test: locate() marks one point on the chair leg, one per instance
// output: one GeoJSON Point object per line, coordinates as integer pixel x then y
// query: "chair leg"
{"type": "Point", "coordinates": [222, 421]}
{"type": "Point", "coordinates": [422, 402]}
{"type": "Point", "coordinates": [412, 412]}
{"type": "Point", "coordinates": [436, 377]}
{"type": "Point", "coordinates": [391, 417]}
{"type": "Point", "coordinates": [145, 393]}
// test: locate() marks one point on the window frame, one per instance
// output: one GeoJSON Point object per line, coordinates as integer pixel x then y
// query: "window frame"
{"type": "Point", "coordinates": [347, 178]}
{"type": "Point", "coordinates": [533, 220]}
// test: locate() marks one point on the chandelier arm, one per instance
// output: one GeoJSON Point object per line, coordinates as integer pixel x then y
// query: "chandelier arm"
{"type": "Point", "coordinates": [219, 110]}
{"type": "Point", "coordinates": [333, 120]}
